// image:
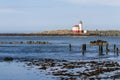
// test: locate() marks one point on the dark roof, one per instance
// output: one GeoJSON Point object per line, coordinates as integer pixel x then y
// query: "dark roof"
{"type": "Point", "coordinates": [76, 25]}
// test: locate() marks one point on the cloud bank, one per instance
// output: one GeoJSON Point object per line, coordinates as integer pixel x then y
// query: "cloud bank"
{"type": "Point", "coordinates": [101, 2]}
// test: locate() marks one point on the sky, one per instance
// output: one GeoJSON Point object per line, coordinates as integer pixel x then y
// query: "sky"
{"type": "Point", "coordinates": [42, 15]}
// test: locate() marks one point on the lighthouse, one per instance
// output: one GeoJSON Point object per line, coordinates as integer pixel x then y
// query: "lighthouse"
{"type": "Point", "coordinates": [78, 28]}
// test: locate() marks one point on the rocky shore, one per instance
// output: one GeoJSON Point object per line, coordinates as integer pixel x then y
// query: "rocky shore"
{"type": "Point", "coordinates": [73, 70]}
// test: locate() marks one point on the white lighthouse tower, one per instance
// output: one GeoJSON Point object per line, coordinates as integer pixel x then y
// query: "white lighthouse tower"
{"type": "Point", "coordinates": [80, 27]}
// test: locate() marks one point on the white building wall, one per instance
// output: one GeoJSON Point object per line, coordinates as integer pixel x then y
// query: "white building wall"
{"type": "Point", "coordinates": [75, 29]}
{"type": "Point", "coordinates": [80, 27]}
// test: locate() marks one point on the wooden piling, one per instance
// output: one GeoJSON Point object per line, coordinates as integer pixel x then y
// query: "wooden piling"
{"type": "Point", "coordinates": [83, 48]}
{"type": "Point", "coordinates": [107, 50]}
{"type": "Point", "coordinates": [70, 47]}
{"type": "Point", "coordinates": [100, 49]}
{"type": "Point", "coordinates": [114, 48]}
{"type": "Point", "coordinates": [117, 51]}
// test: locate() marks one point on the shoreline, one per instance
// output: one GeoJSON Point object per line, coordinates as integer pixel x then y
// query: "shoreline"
{"type": "Point", "coordinates": [79, 35]}
{"type": "Point", "coordinates": [67, 33]}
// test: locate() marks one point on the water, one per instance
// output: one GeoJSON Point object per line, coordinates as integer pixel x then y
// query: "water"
{"type": "Point", "coordinates": [58, 49]}
{"type": "Point", "coordinates": [18, 71]}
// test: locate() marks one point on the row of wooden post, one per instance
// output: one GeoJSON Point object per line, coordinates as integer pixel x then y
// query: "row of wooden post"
{"type": "Point", "coordinates": [116, 50]}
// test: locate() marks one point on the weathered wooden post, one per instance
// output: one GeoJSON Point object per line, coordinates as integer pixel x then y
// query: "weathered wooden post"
{"type": "Point", "coordinates": [83, 48]}
{"type": "Point", "coordinates": [70, 47]}
{"type": "Point", "coordinates": [114, 48]}
{"type": "Point", "coordinates": [117, 51]}
{"type": "Point", "coordinates": [100, 49]}
{"type": "Point", "coordinates": [107, 50]}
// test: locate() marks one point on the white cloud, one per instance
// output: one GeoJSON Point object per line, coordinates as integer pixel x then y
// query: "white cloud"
{"type": "Point", "coordinates": [102, 2]}
{"type": "Point", "coordinates": [7, 10]}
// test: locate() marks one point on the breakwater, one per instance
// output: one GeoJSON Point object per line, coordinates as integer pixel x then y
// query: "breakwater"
{"type": "Point", "coordinates": [25, 42]}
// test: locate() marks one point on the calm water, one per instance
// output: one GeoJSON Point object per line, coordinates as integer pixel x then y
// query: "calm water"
{"type": "Point", "coordinates": [18, 71]}
{"type": "Point", "coordinates": [58, 49]}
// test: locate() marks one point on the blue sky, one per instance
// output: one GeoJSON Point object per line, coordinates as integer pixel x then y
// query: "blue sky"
{"type": "Point", "coordinates": [42, 15]}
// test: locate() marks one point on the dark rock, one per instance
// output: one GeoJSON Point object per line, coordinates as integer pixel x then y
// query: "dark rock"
{"type": "Point", "coordinates": [8, 59]}
{"type": "Point", "coordinates": [99, 42]}
{"type": "Point", "coordinates": [43, 67]}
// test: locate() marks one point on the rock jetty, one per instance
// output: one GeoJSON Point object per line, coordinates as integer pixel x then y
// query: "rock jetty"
{"type": "Point", "coordinates": [27, 42]}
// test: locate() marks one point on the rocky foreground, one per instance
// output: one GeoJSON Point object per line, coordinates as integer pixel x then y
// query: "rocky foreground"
{"type": "Point", "coordinates": [74, 70]}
